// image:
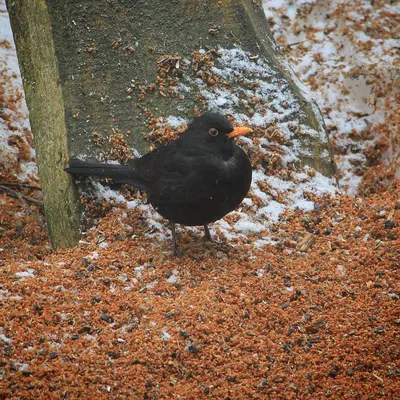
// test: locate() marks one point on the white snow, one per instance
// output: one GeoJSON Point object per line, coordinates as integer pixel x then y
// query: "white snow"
{"type": "Point", "coordinates": [174, 278]}
{"type": "Point", "coordinates": [5, 339]}
{"type": "Point", "coordinates": [260, 272]}
{"type": "Point", "coordinates": [165, 336]}
{"type": "Point", "coordinates": [176, 122]}
{"type": "Point", "coordinates": [29, 273]}
{"type": "Point", "coordinates": [335, 48]}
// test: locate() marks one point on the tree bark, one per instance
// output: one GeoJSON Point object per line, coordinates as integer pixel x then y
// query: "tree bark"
{"type": "Point", "coordinates": [33, 36]}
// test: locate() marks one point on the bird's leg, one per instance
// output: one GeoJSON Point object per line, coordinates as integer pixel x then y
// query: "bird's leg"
{"type": "Point", "coordinates": [207, 234]}
{"type": "Point", "coordinates": [174, 245]}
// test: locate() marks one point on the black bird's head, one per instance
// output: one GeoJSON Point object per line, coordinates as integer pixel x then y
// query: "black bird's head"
{"type": "Point", "coordinates": [214, 131]}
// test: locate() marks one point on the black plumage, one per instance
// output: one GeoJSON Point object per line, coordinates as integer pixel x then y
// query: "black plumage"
{"type": "Point", "coordinates": [194, 180]}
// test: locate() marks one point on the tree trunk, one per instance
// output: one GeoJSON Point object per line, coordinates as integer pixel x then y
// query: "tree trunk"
{"type": "Point", "coordinates": [32, 28]}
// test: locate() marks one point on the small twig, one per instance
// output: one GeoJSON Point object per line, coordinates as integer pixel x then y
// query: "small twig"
{"type": "Point", "coordinates": [299, 42]}
{"type": "Point", "coordinates": [18, 195]}
{"type": "Point", "coordinates": [24, 185]}
{"type": "Point", "coordinates": [377, 377]}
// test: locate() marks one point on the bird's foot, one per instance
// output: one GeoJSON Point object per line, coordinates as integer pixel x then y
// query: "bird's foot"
{"type": "Point", "coordinates": [207, 235]}
{"type": "Point", "coordinates": [175, 251]}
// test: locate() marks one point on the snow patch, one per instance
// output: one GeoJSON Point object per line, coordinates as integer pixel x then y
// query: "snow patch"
{"type": "Point", "coordinates": [30, 273]}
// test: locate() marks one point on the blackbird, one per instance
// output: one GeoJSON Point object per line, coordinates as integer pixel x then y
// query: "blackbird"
{"type": "Point", "coordinates": [194, 180]}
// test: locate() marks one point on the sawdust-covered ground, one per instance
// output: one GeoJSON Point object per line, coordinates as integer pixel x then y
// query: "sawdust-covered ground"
{"type": "Point", "coordinates": [312, 313]}
{"type": "Point", "coordinates": [314, 316]}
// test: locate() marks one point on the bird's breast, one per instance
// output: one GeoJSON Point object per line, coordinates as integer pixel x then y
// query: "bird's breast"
{"type": "Point", "coordinates": [211, 188]}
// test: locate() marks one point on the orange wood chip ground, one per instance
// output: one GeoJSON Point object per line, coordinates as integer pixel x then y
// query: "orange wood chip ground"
{"type": "Point", "coordinates": [119, 317]}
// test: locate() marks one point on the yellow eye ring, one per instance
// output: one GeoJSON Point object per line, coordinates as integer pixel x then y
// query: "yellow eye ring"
{"type": "Point", "coordinates": [213, 132]}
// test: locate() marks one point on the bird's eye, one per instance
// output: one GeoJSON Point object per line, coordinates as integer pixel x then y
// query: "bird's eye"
{"type": "Point", "coordinates": [213, 132]}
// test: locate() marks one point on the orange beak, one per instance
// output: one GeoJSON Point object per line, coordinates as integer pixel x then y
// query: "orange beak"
{"type": "Point", "coordinates": [239, 131]}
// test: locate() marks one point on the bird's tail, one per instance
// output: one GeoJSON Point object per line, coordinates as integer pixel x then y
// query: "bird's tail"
{"type": "Point", "coordinates": [117, 172]}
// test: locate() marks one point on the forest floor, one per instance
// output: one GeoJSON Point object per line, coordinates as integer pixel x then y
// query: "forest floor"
{"type": "Point", "coordinates": [313, 314]}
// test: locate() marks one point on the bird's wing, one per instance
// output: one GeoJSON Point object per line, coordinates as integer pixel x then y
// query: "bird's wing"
{"type": "Point", "coordinates": [178, 175]}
